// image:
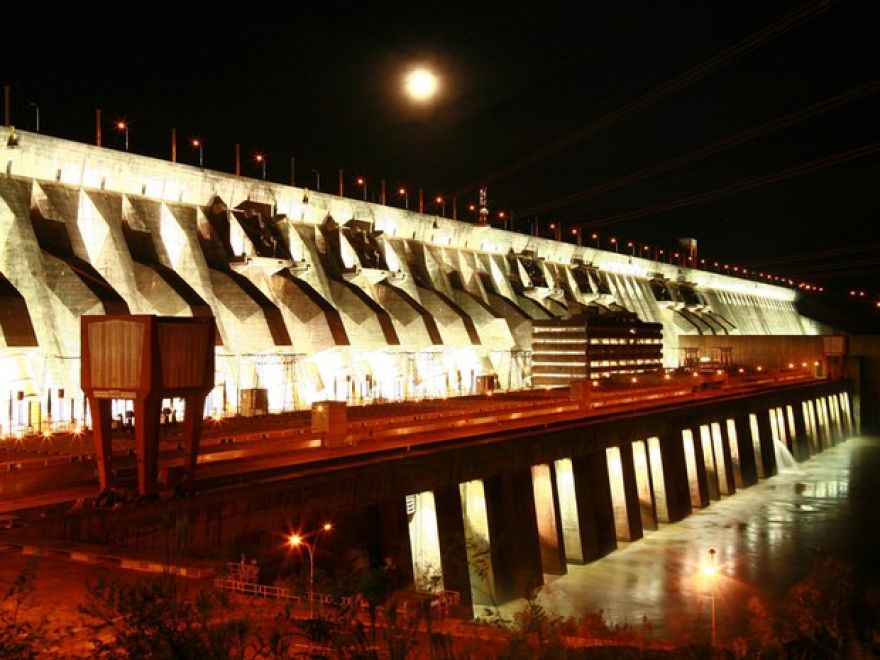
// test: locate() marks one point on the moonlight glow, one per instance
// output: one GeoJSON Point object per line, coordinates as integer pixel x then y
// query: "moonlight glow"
{"type": "Point", "coordinates": [421, 84]}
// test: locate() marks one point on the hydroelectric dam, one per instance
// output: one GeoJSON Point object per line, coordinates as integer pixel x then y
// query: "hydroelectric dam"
{"type": "Point", "coordinates": [590, 395]}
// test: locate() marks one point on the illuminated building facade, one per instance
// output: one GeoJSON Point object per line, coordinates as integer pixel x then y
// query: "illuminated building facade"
{"type": "Point", "coordinates": [595, 346]}
{"type": "Point", "coordinates": [315, 296]}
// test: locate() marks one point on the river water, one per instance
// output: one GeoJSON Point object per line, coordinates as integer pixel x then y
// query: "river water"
{"type": "Point", "coordinates": [767, 539]}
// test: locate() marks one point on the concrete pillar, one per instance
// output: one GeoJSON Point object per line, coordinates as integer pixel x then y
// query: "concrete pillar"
{"type": "Point", "coordinates": [847, 415]}
{"type": "Point", "coordinates": [723, 460]}
{"type": "Point", "coordinates": [711, 468]}
{"type": "Point", "coordinates": [102, 425]}
{"type": "Point", "coordinates": [453, 550]}
{"type": "Point", "coordinates": [838, 421]}
{"type": "Point", "coordinates": [644, 485]}
{"type": "Point", "coordinates": [595, 511]}
{"type": "Point", "coordinates": [624, 493]}
{"type": "Point", "coordinates": [765, 437]}
{"type": "Point", "coordinates": [801, 438]}
{"type": "Point", "coordinates": [676, 495]}
{"type": "Point", "coordinates": [513, 535]}
{"type": "Point", "coordinates": [547, 512]}
{"type": "Point", "coordinates": [748, 472]}
{"type": "Point", "coordinates": [698, 485]}
{"type": "Point", "coordinates": [810, 422]}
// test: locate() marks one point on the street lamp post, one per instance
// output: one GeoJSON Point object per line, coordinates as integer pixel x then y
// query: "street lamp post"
{"type": "Point", "coordinates": [361, 181]}
{"type": "Point", "coordinates": [261, 159]}
{"type": "Point", "coordinates": [317, 180]}
{"type": "Point", "coordinates": [123, 126]}
{"type": "Point", "coordinates": [37, 111]}
{"type": "Point", "coordinates": [442, 202]}
{"type": "Point", "coordinates": [201, 147]}
{"type": "Point", "coordinates": [403, 192]}
{"type": "Point", "coordinates": [295, 541]}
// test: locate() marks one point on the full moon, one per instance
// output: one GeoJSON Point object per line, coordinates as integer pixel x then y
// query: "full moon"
{"type": "Point", "coordinates": [421, 84]}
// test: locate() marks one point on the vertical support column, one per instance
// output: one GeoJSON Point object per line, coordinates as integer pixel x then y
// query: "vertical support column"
{"type": "Point", "coordinates": [424, 541]}
{"type": "Point", "coordinates": [847, 413]}
{"type": "Point", "coordinates": [765, 437]}
{"type": "Point", "coordinates": [644, 485]}
{"type": "Point", "coordinates": [453, 548]}
{"type": "Point", "coordinates": [595, 510]}
{"type": "Point", "coordinates": [192, 433]}
{"type": "Point", "coordinates": [709, 461]}
{"type": "Point", "coordinates": [566, 502]}
{"type": "Point", "coordinates": [551, 541]}
{"type": "Point", "coordinates": [698, 485]}
{"type": "Point", "coordinates": [821, 425]}
{"type": "Point", "coordinates": [838, 422]}
{"type": "Point", "coordinates": [743, 438]}
{"type": "Point", "coordinates": [826, 419]}
{"type": "Point", "coordinates": [723, 466]}
{"type": "Point", "coordinates": [102, 434]}
{"type": "Point", "coordinates": [624, 493]}
{"type": "Point", "coordinates": [669, 462]}
{"type": "Point", "coordinates": [732, 447]}
{"type": "Point", "coordinates": [810, 421]}
{"type": "Point", "coordinates": [146, 441]}
{"type": "Point", "coordinates": [513, 534]}
{"type": "Point", "coordinates": [801, 435]}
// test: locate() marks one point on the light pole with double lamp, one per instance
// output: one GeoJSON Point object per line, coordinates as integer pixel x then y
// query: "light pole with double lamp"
{"type": "Point", "coordinates": [297, 540]}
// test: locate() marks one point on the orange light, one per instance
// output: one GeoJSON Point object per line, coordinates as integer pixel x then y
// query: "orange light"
{"type": "Point", "coordinates": [594, 236]}
{"type": "Point", "coordinates": [613, 240]}
{"type": "Point", "coordinates": [360, 180]}
{"type": "Point", "coordinates": [259, 158]}
{"type": "Point", "coordinates": [327, 526]}
{"type": "Point", "coordinates": [552, 225]}
{"type": "Point", "coordinates": [121, 125]}
{"type": "Point", "coordinates": [195, 142]}
{"type": "Point", "coordinates": [294, 540]}
{"type": "Point", "coordinates": [401, 191]}
{"type": "Point", "coordinates": [760, 368]}
{"type": "Point", "coordinates": [439, 200]}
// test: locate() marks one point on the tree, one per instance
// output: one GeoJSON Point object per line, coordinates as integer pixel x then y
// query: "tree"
{"type": "Point", "coordinates": [21, 635]}
{"type": "Point", "coordinates": [151, 619]}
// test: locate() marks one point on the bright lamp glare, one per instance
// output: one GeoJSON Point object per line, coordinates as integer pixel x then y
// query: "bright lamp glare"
{"type": "Point", "coordinates": [421, 84]}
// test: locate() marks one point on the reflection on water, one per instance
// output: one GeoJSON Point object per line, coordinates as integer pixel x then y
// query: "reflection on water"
{"type": "Point", "coordinates": [767, 539]}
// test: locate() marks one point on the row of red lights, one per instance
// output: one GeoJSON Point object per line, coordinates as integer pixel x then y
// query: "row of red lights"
{"type": "Point", "coordinates": [197, 143]}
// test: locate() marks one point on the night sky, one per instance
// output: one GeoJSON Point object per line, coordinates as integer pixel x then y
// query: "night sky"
{"type": "Point", "coordinates": [567, 112]}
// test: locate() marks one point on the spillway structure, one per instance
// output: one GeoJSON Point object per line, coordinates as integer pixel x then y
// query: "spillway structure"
{"type": "Point", "coordinates": [315, 296]}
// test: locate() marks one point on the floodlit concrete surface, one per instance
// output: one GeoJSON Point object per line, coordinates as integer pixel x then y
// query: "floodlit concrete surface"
{"type": "Point", "coordinates": [767, 539]}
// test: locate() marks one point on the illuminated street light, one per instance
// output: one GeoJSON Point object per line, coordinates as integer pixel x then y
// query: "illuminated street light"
{"type": "Point", "coordinates": [362, 182]}
{"type": "Point", "coordinates": [403, 192]}
{"type": "Point", "coordinates": [123, 126]}
{"type": "Point", "coordinates": [595, 237]}
{"type": "Point", "coordinates": [197, 143]}
{"type": "Point", "coordinates": [261, 159]}
{"type": "Point", "coordinates": [442, 202]}
{"type": "Point", "coordinates": [421, 85]}
{"type": "Point", "coordinates": [295, 541]}
{"type": "Point", "coordinates": [614, 243]}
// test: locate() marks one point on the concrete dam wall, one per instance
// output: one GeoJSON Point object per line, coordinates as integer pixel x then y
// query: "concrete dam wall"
{"type": "Point", "coordinates": [316, 296]}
